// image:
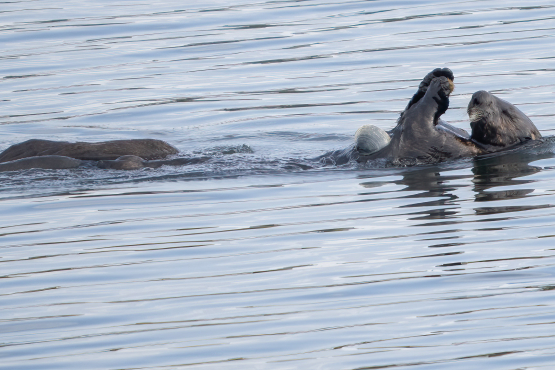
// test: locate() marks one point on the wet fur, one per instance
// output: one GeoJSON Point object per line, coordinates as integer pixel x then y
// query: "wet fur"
{"type": "Point", "coordinates": [51, 162]}
{"type": "Point", "coordinates": [106, 150]}
{"type": "Point", "coordinates": [420, 136]}
{"type": "Point", "coordinates": [496, 122]}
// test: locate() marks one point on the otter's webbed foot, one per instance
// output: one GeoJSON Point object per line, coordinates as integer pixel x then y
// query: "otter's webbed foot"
{"type": "Point", "coordinates": [423, 87]}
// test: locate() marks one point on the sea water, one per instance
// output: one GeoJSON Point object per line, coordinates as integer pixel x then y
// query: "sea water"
{"type": "Point", "coordinates": [261, 257]}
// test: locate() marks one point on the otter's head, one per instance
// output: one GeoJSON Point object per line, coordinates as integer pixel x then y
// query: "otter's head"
{"type": "Point", "coordinates": [497, 122]}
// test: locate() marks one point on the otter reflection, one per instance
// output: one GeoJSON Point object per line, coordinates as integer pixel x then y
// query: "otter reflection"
{"type": "Point", "coordinates": [437, 189]}
{"type": "Point", "coordinates": [510, 169]}
{"type": "Point", "coordinates": [433, 184]}
{"type": "Point", "coordinates": [434, 188]}
{"type": "Point", "coordinates": [431, 189]}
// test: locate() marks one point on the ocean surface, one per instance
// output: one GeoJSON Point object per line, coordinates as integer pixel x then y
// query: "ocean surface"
{"type": "Point", "coordinates": [262, 257]}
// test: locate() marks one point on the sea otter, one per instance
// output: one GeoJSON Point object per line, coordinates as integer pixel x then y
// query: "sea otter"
{"type": "Point", "coordinates": [422, 137]}
{"type": "Point", "coordinates": [106, 150]}
{"type": "Point", "coordinates": [496, 123]}
{"type": "Point", "coordinates": [116, 154]}
{"type": "Point", "coordinates": [419, 137]}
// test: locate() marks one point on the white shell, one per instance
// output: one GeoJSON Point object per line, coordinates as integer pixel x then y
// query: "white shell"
{"type": "Point", "coordinates": [369, 139]}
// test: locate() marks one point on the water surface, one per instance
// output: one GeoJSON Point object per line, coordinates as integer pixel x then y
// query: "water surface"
{"type": "Point", "coordinates": [261, 258]}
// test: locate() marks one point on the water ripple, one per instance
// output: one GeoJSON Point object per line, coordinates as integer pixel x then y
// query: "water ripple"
{"type": "Point", "coordinates": [262, 257]}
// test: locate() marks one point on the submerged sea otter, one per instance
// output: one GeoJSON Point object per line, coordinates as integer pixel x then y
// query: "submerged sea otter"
{"type": "Point", "coordinates": [117, 154]}
{"type": "Point", "coordinates": [145, 148]}
{"type": "Point", "coordinates": [422, 137]}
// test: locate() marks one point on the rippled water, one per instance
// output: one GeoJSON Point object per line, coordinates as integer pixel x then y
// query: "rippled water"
{"type": "Point", "coordinates": [261, 258]}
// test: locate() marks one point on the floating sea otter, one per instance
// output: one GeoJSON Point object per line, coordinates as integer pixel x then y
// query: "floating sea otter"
{"type": "Point", "coordinates": [419, 137]}
{"type": "Point", "coordinates": [422, 137]}
{"type": "Point", "coordinates": [106, 150]}
{"type": "Point", "coordinates": [117, 154]}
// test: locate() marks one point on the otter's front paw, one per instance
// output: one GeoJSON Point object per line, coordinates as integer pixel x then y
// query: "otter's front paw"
{"type": "Point", "coordinates": [441, 87]}
{"type": "Point", "coordinates": [436, 73]}
{"type": "Point", "coordinates": [423, 87]}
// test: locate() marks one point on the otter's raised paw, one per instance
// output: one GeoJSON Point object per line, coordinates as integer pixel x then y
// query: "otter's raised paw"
{"type": "Point", "coordinates": [423, 87]}
{"type": "Point", "coordinates": [442, 85]}
{"type": "Point", "coordinates": [438, 72]}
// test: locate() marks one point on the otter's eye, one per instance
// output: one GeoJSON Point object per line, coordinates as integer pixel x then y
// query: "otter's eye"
{"type": "Point", "coordinates": [476, 101]}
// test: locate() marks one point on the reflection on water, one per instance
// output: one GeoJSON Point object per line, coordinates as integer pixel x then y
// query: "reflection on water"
{"type": "Point", "coordinates": [259, 257]}
{"type": "Point", "coordinates": [505, 170]}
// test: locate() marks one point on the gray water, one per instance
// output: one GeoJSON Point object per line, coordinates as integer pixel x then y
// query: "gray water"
{"type": "Point", "coordinates": [261, 258]}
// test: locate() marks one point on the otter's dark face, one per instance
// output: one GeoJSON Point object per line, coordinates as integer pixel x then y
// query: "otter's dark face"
{"type": "Point", "coordinates": [497, 122]}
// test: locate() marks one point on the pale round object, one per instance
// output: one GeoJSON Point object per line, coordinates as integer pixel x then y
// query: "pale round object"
{"type": "Point", "coordinates": [369, 139]}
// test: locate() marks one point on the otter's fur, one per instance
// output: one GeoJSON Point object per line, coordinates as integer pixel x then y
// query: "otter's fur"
{"type": "Point", "coordinates": [498, 123]}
